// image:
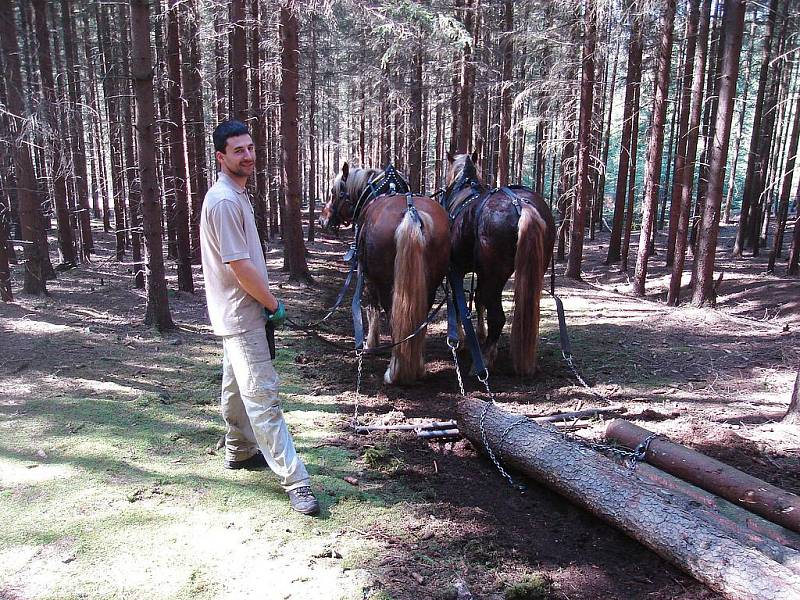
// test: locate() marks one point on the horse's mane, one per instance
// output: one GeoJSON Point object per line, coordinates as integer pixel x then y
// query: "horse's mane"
{"type": "Point", "coordinates": [357, 180]}
{"type": "Point", "coordinates": [463, 164]}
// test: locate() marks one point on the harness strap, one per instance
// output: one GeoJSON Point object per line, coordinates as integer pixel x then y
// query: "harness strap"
{"type": "Point", "coordinates": [358, 323]}
{"type": "Point", "coordinates": [457, 286]}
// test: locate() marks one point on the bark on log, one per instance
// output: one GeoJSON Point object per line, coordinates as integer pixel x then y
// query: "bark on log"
{"type": "Point", "coordinates": [748, 525]}
{"type": "Point", "coordinates": [664, 523]}
{"type": "Point", "coordinates": [773, 503]}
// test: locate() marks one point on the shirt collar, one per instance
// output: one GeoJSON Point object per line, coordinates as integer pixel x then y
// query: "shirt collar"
{"type": "Point", "coordinates": [226, 179]}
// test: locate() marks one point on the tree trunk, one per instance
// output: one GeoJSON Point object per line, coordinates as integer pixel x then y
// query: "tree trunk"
{"type": "Point", "coordinates": [258, 128]}
{"type": "Point", "coordinates": [415, 165]}
{"type": "Point", "coordinates": [673, 526]}
{"type": "Point", "coordinates": [467, 88]}
{"type": "Point", "coordinates": [652, 176]}
{"type": "Point", "coordinates": [583, 192]}
{"type": "Point", "coordinates": [601, 187]}
{"type": "Point", "coordinates": [733, 26]}
{"type": "Point", "coordinates": [157, 312]}
{"type": "Point", "coordinates": [754, 160]}
{"type": "Point", "coordinates": [786, 189]}
{"type": "Point", "coordinates": [768, 135]}
{"type": "Point", "coordinates": [756, 495]}
{"type": "Point", "coordinates": [678, 175]}
{"type": "Point", "coordinates": [793, 268]}
{"type": "Point", "coordinates": [77, 137]}
{"type": "Point", "coordinates": [626, 233]}
{"type": "Point", "coordinates": [507, 45]}
{"type": "Point", "coordinates": [66, 238]}
{"type": "Point", "coordinates": [294, 248]}
{"type": "Point", "coordinates": [238, 60]}
{"type": "Point", "coordinates": [629, 136]}
{"type": "Point", "coordinates": [134, 183]}
{"type": "Point", "coordinates": [178, 150]}
{"type": "Point", "coordinates": [29, 206]}
{"type": "Point", "coordinates": [312, 133]}
{"type": "Point", "coordinates": [220, 68]}
{"type": "Point", "coordinates": [693, 132]}
{"type": "Point", "coordinates": [726, 217]}
{"type": "Point", "coordinates": [793, 413]}
{"type": "Point", "coordinates": [195, 122]}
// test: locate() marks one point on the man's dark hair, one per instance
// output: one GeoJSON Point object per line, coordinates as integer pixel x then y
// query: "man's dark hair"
{"type": "Point", "coordinates": [225, 130]}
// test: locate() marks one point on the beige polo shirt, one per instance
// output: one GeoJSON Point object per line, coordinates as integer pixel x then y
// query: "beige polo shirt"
{"type": "Point", "coordinates": [227, 233]}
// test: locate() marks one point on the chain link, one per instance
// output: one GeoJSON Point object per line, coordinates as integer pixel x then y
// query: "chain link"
{"type": "Point", "coordinates": [453, 348]}
{"type": "Point", "coordinates": [360, 357]}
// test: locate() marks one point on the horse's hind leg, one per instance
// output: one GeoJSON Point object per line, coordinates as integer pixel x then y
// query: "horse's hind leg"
{"type": "Point", "coordinates": [493, 301]}
{"type": "Point", "coordinates": [373, 327]}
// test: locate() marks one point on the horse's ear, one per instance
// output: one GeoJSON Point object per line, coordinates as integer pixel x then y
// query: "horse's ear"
{"type": "Point", "coordinates": [345, 171]}
{"type": "Point", "coordinates": [474, 158]}
{"type": "Point", "coordinates": [450, 157]}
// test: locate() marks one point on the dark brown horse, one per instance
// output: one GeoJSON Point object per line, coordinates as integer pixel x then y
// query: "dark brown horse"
{"type": "Point", "coordinates": [403, 251]}
{"type": "Point", "coordinates": [495, 233]}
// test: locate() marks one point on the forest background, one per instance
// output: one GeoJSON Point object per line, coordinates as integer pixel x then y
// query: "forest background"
{"type": "Point", "coordinates": [662, 133]}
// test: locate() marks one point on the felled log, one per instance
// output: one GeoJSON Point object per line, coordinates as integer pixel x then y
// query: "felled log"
{"type": "Point", "coordinates": [588, 413]}
{"type": "Point", "coordinates": [665, 523]}
{"type": "Point", "coordinates": [760, 497]}
{"type": "Point", "coordinates": [772, 540]}
{"type": "Point", "coordinates": [406, 427]}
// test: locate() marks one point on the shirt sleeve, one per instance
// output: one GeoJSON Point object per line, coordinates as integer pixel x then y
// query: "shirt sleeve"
{"type": "Point", "coordinates": [229, 221]}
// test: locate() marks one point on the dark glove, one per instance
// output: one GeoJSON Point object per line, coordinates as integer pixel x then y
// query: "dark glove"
{"type": "Point", "coordinates": [277, 317]}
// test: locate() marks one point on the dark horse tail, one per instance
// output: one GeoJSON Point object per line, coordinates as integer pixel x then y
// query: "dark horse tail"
{"type": "Point", "coordinates": [409, 299]}
{"type": "Point", "coordinates": [529, 270]}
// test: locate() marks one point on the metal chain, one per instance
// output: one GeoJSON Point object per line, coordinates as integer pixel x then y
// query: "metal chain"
{"type": "Point", "coordinates": [571, 364]}
{"type": "Point", "coordinates": [360, 357]}
{"type": "Point", "coordinates": [453, 348]}
{"type": "Point", "coordinates": [485, 381]}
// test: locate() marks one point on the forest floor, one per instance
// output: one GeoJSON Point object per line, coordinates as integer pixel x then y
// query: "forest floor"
{"type": "Point", "coordinates": [112, 485]}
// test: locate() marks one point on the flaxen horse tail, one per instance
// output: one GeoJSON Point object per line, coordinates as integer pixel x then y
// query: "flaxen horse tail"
{"type": "Point", "coordinates": [409, 300]}
{"type": "Point", "coordinates": [529, 269]}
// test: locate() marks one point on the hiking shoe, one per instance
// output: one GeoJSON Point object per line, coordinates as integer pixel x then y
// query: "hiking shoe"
{"type": "Point", "coordinates": [257, 461]}
{"type": "Point", "coordinates": [302, 500]}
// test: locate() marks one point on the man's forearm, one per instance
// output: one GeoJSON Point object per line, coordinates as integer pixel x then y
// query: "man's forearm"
{"type": "Point", "coordinates": [252, 283]}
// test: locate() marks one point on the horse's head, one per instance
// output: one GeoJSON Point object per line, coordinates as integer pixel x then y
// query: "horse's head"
{"type": "Point", "coordinates": [338, 210]}
{"type": "Point", "coordinates": [462, 170]}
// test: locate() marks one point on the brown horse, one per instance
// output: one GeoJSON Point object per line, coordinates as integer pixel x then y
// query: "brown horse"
{"type": "Point", "coordinates": [495, 233]}
{"type": "Point", "coordinates": [403, 250]}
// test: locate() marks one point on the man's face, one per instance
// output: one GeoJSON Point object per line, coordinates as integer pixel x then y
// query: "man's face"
{"type": "Point", "coordinates": [239, 158]}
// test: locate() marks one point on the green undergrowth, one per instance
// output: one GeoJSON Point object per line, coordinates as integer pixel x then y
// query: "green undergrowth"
{"type": "Point", "coordinates": [112, 487]}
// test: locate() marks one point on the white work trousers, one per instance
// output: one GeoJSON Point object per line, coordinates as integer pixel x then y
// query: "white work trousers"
{"type": "Point", "coordinates": [252, 410]}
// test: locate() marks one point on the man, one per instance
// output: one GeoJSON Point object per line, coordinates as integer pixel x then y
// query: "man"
{"type": "Point", "coordinates": [239, 303]}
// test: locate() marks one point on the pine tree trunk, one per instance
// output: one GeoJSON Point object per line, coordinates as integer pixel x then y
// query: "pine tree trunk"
{"type": "Point", "coordinates": [693, 131]}
{"type": "Point", "coordinates": [29, 206]}
{"type": "Point", "coordinates": [503, 166]}
{"type": "Point", "coordinates": [141, 67]}
{"type": "Point", "coordinates": [238, 60]}
{"type": "Point", "coordinates": [793, 267]}
{"type": "Point", "coordinates": [678, 174]}
{"type": "Point", "coordinates": [312, 134]}
{"type": "Point", "coordinates": [583, 192]}
{"type": "Point", "coordinates": [768, 135]}
{"type": "Point", "coordinates": [195, 122]}
{"type": "Point", "coordinates": [467, 85]}
{"type": "Point", "coordinates": [754, 160]}
{"type": "Point", "coordinates": [294, 248]}
{"type": "Point", "coordinates": [610, 93]}
{"type": "Point", "coordinates": [786, 188]}
{"type": "Point", "coordinates": [740, 127]}
{"type": "Point", "coordinates": [655, 148]}
{"type": "Point", "coordinates": [77, 137]}
{"type": "Point", "coordinates": [733, 27]}
{"type": "Point", "coordinates": [66, 239]}
{"type": "Point", "coordinates": [628, 139]}
{"type": "Point", "coordinates": [793, 413]}
{"type": "Point", "coordinates": [134, 186]}
{"type": "Point", "coordinates": [631, 193]}
{"type": "Point", "coordinates": [175, 135]}
{"type": "Point", "coordinates": [258, 127]}
{"type": "Point", "coordinates": [415, 164]}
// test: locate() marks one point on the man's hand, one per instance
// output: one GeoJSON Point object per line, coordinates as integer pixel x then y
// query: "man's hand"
{"type": "Point", "coordinates": [278, 316]}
